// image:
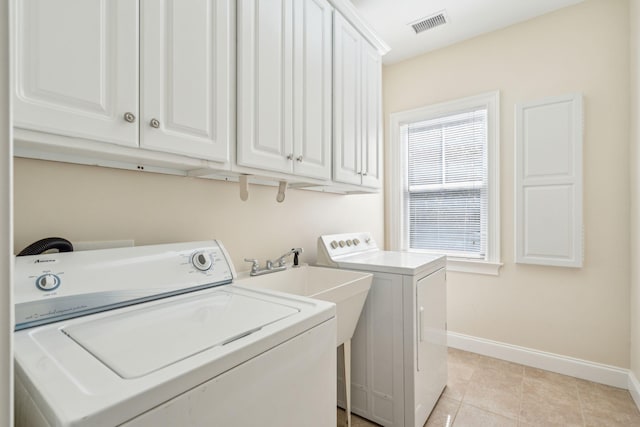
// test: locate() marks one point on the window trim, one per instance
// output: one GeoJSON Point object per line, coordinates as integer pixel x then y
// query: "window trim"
{"type": "Point", "coordinates": [397, 154]}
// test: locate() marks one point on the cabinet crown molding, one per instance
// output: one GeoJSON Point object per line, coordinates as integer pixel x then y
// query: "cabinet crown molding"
{"type": "Point", "coordinates": [349, 11]}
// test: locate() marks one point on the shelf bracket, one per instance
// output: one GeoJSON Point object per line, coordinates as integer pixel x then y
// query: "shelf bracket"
{"type": "Point", "coordinates": [281, 189]}
{"type": "Point", "coordinates": [244, 187]}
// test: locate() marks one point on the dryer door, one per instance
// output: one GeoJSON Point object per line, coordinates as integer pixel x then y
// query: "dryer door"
{"type": "Point", "coordinates": [431, 343]}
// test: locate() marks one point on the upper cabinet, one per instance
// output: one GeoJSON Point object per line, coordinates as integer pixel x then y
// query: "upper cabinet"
{"type": "Point", "coordinates": [153, 74]}
{"type": "Point", "coordinates": [289, 90]}
{"type": "Point", "coordinates": [357, 129]}
{"type": "Point", "coordinates": [284, 86]}
{"type": "Point", "coordinates": [76, 68]}
{"type": "Point", "coordinates": [186, 82]}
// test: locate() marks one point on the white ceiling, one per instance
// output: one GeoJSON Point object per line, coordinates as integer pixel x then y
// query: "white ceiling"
{"type": "Point", "coordinates": [466, 19]}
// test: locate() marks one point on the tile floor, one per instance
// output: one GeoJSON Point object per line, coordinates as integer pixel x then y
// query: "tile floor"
{"type": "Point", "coordinates": [483, 391]}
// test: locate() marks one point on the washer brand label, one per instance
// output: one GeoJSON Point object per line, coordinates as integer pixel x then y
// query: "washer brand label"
{"type": "Point", "coordinates": [45, 260]}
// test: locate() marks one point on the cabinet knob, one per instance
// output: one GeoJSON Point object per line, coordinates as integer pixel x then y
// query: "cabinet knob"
{"type": "Point", "coordinates": [299, 159]}
{"type": "Point", "coordinates": [290, 156]}
{"type": "Point", "coordinates": [364, 174]}
{"type": "Point", "coordinates": [155, 123]}
{"type": "Point", "coordinates": [129, 117]}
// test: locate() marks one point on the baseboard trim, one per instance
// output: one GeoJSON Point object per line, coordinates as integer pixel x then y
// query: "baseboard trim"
{"type": "Point", "coordinates": [634, 388]}
{"type": "Point", "coordinates": [591, 371]}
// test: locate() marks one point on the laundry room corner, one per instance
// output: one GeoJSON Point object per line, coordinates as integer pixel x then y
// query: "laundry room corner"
{"type": "Point", "coordinates": [584, 312]}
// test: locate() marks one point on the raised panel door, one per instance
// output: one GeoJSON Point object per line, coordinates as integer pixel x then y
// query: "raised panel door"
{"type": "Point", "coordinates": [549, 187]}
{"type": "Point", "coordinates": [371, 116]}
{"type": "Point", "coordinates": [185, 69]}
{"type": "Point", "coordinates": [347, 131]}
{"type": "Point", "coordinates": [265, 84]}
{"type": "Point", "coordinates": [312, 88]}
{"type": "Point", "coordinates": [76, 68]}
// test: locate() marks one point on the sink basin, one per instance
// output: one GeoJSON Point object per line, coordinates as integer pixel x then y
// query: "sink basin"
{"type": "Point", "coordinates": [347, 289]}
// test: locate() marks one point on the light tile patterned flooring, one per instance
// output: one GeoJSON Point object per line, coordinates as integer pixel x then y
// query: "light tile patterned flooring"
{"type": "Point", "coordinates": [483, 391]}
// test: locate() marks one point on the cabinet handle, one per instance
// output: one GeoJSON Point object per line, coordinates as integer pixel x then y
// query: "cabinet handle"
{"type": "Point", "coordinates": [129, 117]}
{"type": "Point", "coordinates": [290, 156]}
{"type": "Point", "coordinates": [155, 123]}
{"type": "Point", "coordinates": [364, 174]}
{"type": "Point", "coordinates": [299, 159]}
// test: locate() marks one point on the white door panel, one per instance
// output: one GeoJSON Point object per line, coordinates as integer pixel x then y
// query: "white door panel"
{"type": "Point", "coordinates": [185, 74]}
{"type": "Point", "coordinates": [347, 102]}
{"type": "Point", "coordinates": [76, 68]}
{"type": "Point", "coordinates": [265, 84]}
{"type": "Point", "coordinates": [371, 116]}
{"type": "Point", "coordinates": [312, 92]}
{"type": "Point", "coordinates": [549, 218]}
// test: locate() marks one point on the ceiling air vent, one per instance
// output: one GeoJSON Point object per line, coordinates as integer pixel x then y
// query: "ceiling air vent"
{"type": "Point", "coordinates": [424, 24]}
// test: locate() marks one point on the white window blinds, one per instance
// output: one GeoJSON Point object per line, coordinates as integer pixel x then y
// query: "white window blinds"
{"type": "Point", "coordinates": [446, 183]}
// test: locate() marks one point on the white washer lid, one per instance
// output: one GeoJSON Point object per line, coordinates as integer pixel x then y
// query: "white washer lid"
{"type": "Point", "coordinates": [394, 262]}
{"type": "Point", "coordinates": [136, 343]}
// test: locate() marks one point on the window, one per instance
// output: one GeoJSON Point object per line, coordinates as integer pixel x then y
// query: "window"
{"type": "Point", "coordinates": [444, 182]}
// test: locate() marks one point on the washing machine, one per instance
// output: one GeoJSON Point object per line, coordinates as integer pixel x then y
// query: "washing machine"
{"type": "Point", "coordinates": [399, 348]}
{"type": "Point", "coordinates": [159, 336]}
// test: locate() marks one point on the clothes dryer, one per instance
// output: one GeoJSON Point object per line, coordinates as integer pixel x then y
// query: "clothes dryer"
{"type": "Point", "coordinates": [399, 348]}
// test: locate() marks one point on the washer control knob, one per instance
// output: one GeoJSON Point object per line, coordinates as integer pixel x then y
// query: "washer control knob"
{"type": "Point", "coordinates": [341, 243]}
{"type": "Point", "coordinates": [334, 244]}
{"type": "Point", "coordinates": [48, 282]}
{"type": "Point", "coordinates": [356, 242]}
{"type": "Point", "coordinates": [349, 243]}
{"type": "Point", "coordinates": [201, 261]}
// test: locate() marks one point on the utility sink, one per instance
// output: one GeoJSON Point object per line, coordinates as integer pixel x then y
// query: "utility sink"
{"type": "Point", "coordinates": [347, 289]}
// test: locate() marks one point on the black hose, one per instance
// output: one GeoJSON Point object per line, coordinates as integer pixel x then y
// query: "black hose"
{"type": "Point", "coordinates": [36, 248]}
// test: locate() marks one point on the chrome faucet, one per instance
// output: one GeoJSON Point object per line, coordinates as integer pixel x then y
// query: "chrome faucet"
{"type": "Point", "coordinates": [295, 252]}
{"type": "Point", "coordinates": [276, 265]}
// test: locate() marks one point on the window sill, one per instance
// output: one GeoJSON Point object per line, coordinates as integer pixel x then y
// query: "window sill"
{"type": "Point", "coordinates": [476, 267]}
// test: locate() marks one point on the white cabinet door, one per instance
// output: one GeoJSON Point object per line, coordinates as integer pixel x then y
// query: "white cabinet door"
{"type": "Point", "coordinates": [549, 187]}
{"type": "Point", "coordinates": [312, 88]}
{"type": "Point", "coordinates": [76, 64]}
{"type": "Point", "coordinates": [284, 86]}
{"type": "Point", "coordinates": [431, 343]}
{"type": "Point", "coordinates": [371, 116]}
{"type": "Point", "coordinates": [185, 64]}
{"type": "Point", "coordinates": [265, 84]}
{"type": "Point", "coordinates": [347, 147]}
{"type": "Point", "coordinates": [357, 128]}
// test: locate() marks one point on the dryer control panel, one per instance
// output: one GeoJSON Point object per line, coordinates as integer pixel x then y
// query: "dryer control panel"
{"type": "Point", "coordinates": [332, 247]}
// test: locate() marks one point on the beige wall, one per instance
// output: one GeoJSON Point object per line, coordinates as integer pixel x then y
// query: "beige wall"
{"type": "Point", "coordinates": [634, 15]}
{"type": "Point", "coordinates": [92, 203]}
{"type": "Point", "coordinates": [582, 313]}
